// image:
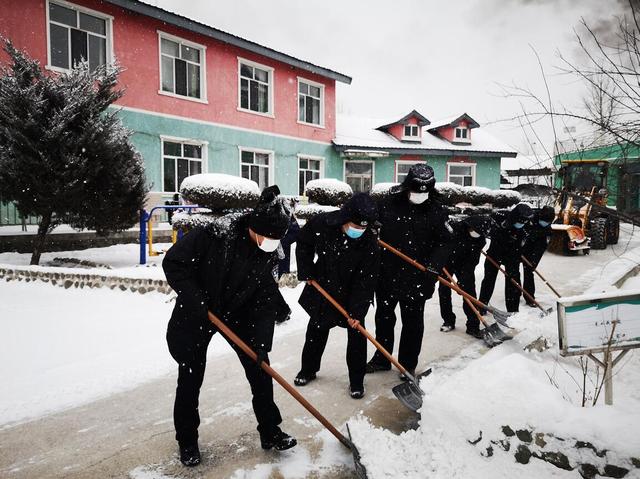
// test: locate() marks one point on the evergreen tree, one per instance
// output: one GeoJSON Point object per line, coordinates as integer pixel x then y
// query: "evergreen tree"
{"type": "Point", "coordinates": [65, 157]}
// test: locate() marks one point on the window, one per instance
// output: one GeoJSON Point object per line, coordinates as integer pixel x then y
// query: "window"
{"type": "Point", "coordinates": [411, 131]}
{"type": "Point", "coordinates": [179, 160]}
{"type": "Point", "coordinates": [309, 168]}
{"type": "Point", "coordinates": [182, 67]}
{"type": "Point", "coordinates": [256, 87]}
{"type": "Point", "coordinates": [462, 174]}
{"type": "Point", "coordinates": [77, 35]}
{"type": "Point", "coordinates": [462, 134]}
{"type": "Point", "coordinates": [256, 166]}
{"type": "Point", "coordinates": [310, 102]}
{"type": "Point", "coordinates": [359, 175]}
{"type": "Point", "coordinates": [402, 169]}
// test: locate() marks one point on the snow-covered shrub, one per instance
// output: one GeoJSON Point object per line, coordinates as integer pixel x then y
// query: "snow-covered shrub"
{"type": "Point", "coordinates": [306, 212]}
{"type": "Point", "coordinates": [219, 192]}
{"type": "Point", "coordinates": [450, 193]}
{"type": "Point", "coordinates": [220, 222]}
{"type": "Point", "coordinates": [453, 194]}
{"type": "Point", "coordinates": [380, 190]}
{"type": "Point", "coordinates": [506, 198]}
{"type": "Point", "coordinates": [328, 192]}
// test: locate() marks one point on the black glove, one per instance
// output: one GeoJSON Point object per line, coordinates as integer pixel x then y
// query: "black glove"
{"type": "Point", "coordinates": [262, 356]}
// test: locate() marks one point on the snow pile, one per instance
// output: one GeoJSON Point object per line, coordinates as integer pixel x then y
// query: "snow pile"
{"type": "Point", "coordinates": [328, 192]}
{"type": "Point", "coordinates": [305, 212]}
{"type": "Point", "coordinates": [219, 191]}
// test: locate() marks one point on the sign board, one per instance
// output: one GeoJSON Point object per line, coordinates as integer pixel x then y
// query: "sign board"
{"type": "Point", "coordinates": [585, 322]}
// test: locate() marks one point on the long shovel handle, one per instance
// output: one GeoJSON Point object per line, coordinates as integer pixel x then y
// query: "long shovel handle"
{"type": "Point", "coordinates": [443, 281]}
{"type": "Point", "coordinates": [273, 373]}
{"type": "Point", "coordinates": [530, 265]}
{"type": "Point", "coordinates": [469, 303]}
{"type": "Point", "coordinates": [515, 283]}
{"type": "Point", "coordinates": [362, 330]}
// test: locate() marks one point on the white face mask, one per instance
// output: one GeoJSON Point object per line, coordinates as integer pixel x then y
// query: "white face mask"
{"type": "Point", "coordinates": [474, 234]}
{"type": "Point", "coordinates": [269, 245]}
{"type": "Point", "coordinates": [418, 198]}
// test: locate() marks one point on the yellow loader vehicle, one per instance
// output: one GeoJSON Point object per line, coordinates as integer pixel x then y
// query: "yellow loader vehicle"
{"type": "Point", "coordinates": [583, 185]}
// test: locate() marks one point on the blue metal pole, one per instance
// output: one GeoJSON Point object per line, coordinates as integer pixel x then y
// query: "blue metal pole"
{"type": "Point", "coordinates": [143, 237]}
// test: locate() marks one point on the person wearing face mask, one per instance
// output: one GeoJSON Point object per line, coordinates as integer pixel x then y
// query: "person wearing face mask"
{"type": "Point", "coordinates": [413, 221]}
{"type": "Point", "coordinates": [346, 267]}
{"type": "Point", "coordinates": [469, 237]}
{"type": "Point", "coordinates": [507, 239]}
{"type": "Point", "coordinates": [538, 235]}
{"type": "Point", "coordinates": [232, 273]}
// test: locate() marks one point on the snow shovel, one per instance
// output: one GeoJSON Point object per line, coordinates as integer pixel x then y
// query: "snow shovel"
{"type": "Point", "coordinates": [409, 393]}
{"type": "Point", "coordinates": [224, 329]}
{"type": "Point", "coordinates": [499, 315]}
{"type": "Point", "coordinates": [528, 263]}
{"type": "Point", "coordinates": [492, 335]}
{"type": "Point", "coordinates": [516, 284]}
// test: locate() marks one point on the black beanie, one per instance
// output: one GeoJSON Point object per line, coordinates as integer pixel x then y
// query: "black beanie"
{"type": "Point", "coordinates": [420, 179]}
{"type": "Point", "coordinates": [360, 209]}
{"type": "Point", "coordinates": [480, 224]}
{"type": "Point", "coordinates": [521, 213]}
{"type": "Point", "coordinates": [270, 216]}
{"type": "Point", "coordinates": [547, 213]}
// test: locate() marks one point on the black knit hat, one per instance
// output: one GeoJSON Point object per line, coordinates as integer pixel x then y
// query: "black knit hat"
{"type": "Point", "coordinates": [270, 217]}
{"type": "Point", "coordinates": [420, 179]}
{"type": "Point", "coordinates": [546, 213]}
{"type": "Point", "coordinates": [480, 224]}
{"type": "Point", "coordinates": [360, 209]}
{"type": "Point", "coordinates": [521, 213]}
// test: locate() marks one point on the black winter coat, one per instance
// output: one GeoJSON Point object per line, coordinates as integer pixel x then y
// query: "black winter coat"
{"type": "Point", "coordinates": [422, 232]}
{"type": "Point", "coordinates": [347, 268]}
{"type": "Point", "coordinates": [536, 240]}
{"type": "Point", "coordinates": [465, 252]}
{"type": "Point", "coordinates": [228, 274]}
{"type": "Point", "coordinates": [506, 241]}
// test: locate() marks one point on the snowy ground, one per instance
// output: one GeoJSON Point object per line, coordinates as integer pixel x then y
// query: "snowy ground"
{"type": "Point", "coordinates": [89, 370]}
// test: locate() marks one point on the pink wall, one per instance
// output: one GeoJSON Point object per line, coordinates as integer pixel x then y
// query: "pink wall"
{"type": "Point", "coordinates": [136, 48]}
{"type": "Point", "coordinates": [398, 130]}
{"type": "Point", "coordinates": [448, 132]}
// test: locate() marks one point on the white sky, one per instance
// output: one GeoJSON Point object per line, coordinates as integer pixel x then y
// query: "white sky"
{"type": "Point", "coordinates": [439, 57]}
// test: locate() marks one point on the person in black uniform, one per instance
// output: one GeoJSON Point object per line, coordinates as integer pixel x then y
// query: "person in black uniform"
{"type": "Point", "coordinates": [537, 237]}
{"type": "Point", "coordinates": [346, 267]}
{"type": "Point", "coordinates": [232, 274]}
{"type": "Point", "coordinates": [413, 221]}
{"type": "Point", "coordinates": [469, 237]}
{"type": "Point", "coordinates": [507, 239]}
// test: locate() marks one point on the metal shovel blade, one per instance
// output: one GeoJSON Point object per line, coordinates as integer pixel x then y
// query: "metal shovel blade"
{"type": "Point", "coordinates": [489, 339]}
{"type": "Point", "coordinates": [501, 317]}
{"type": "Point", "coordinates": [409, 393]}
{"type": "Point", "coordinates": [498, 333]}
{"type": "Point", "coordinates": [361, 471]}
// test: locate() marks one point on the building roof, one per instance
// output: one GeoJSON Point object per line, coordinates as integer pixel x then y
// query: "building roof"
{"type": "Point", "coordinates": [453, 121]}
{"type": "Point", "coordinates": [422, 120]}
{"type": "Point", "coordinates": [202, 29]}
{"type": "Point", "coordinates": [526, 162]}
{"type": "Point", "coordinates": [362, 134]}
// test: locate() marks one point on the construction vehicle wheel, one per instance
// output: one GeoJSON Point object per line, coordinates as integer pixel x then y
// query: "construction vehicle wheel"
{"type": "Point", "coordinates": [613, 230]}
{"type": "Point", "coordinates": [598, 233]}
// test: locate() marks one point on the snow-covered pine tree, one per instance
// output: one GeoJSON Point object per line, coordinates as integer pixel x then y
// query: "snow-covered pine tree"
{"type": "Point", "coordinates": [65, 157]}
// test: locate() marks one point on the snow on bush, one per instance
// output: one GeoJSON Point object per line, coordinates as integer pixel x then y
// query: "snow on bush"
{"type": "Point", "coordinates": [306, 212]}
{"type": "Point", "coordinates": [328, 192]}
{"type": "Point", "coordinates": [218, 191]}
{"type": "Point", "coordinates": [380, 190]}
{"type": "Point", "coordinates": [219, 222]}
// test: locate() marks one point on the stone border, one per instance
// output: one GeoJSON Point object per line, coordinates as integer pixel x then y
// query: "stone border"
{"type": "Point", "coordinates": [90, 281]}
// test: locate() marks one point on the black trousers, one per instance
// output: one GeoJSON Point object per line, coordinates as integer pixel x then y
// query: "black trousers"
{"type": "Point", "coordinates": [190, 352]}
{"type": "Point", "coordinates": [316, 340]}
{"type": "Point", "coordinates": [511, 292]}
{"type": "Point", "coordinates": [412, 317]}
{"type": "Point", "coordinates": [466, 279]}
{"type": "Point", "coordinates": [534, 256]}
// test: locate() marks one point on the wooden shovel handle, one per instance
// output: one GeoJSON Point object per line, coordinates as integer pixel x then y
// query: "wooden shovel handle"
{"type": "Point", "coordinates": [469, 303]}
{"type": "Point", "coordinates": [224, 329]}
{"type": "Point", "coordinates": [515, 283]}
{"type": "Point", "coordinates": [528, 263]}
{"type": "Point", "coordinates": [360, 328]}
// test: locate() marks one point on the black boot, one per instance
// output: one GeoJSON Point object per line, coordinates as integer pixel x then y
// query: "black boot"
{"type": "Point", "coordinates": [189, 454]}
{"type": "Point", "coordinates": [279, 440]}
{"type": "Point", "coordinates": [476, 333]}
{"type": "Point", "coordinates": [357, 392]}
{"type": "Point", "coordinates": [406, 378]}
{"type": "Point", "coordinates": [374, 366]}
{"type": "Point", "coordinates": [302, 379]}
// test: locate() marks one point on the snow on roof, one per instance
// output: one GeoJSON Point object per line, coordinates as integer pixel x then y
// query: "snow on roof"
{"type": "Point", "coordinates": [422, 120]}
{"type": "Point", "coordinates": [362, 133]}
{"type": "Point", "coordinates": [453, 119]}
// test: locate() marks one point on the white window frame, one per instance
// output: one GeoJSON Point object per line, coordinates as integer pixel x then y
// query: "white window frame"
{"type": "Point", "coordinates": [272, 161]}
{"type": "Point", "coordinates": [302, 156]}
{"type": "Point", "coordinates": [411, 137]}
{"type": "Point", "coordinates": [466, 139]}
{"type": "Point", "coordinates": [373, 169]}
{"type": "Point", "coordinates": [462, 163]}
{"type": "Point", "coordinates": [271, 71]}
{"type": "Point", "coordinates": [203, 67]}
{"type": "Point", "coordinates": [318, 85]}
{"type": "Point", "coordinates": [404, 162]}
{"type": "Point", "coordinates": [109, 56]}
{"type": "Point", "coordinates": [188, 141]}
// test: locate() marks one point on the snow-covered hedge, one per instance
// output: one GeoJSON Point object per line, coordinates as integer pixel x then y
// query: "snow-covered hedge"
{"type": "Point", "coordinates": [328, 192]}
{"type": "Point", "coordinates": [219, 192]}
{"type": "Point", "coordinates": [220, 221]}
{"type": "Point", "coordinates": [380, 190]}
{"type": "Point", "coordinates": [305, 212]}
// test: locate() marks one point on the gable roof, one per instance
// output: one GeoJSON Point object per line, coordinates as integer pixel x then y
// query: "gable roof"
{"type": "Point", "coordinates": [453, 121]}
{"type": "Point", "coordinates": [364, 134]}
{"type": "Point", "coordinates": [422, 120]}
{"type": "Point", "coordinates": [202, 29]}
